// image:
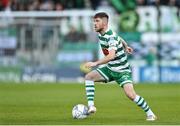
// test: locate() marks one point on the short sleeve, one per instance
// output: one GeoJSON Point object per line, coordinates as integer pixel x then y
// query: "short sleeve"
{"type": "Point", "coordinates": [113, 43]}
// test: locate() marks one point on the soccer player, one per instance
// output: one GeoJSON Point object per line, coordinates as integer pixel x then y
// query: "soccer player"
{"type": "Point", "coordinates": [116, 66]}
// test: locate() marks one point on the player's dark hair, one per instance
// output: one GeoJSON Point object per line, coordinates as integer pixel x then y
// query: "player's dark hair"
{"type": "Point", "coordinates": [101, 15]}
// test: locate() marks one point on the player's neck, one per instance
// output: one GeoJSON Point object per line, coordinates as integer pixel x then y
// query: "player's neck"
{"type": "Point", "coordinates": [104, 30]}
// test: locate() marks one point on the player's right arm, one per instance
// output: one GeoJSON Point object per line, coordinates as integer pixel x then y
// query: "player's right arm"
{"type": "Point", "coordinates": [128, 49]}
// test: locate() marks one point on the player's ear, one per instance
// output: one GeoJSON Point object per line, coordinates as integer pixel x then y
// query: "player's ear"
{"type": "Point", "coordinates": [105, 21]}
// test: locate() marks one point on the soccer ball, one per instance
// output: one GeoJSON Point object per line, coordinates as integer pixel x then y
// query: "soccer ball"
{"type": "Point", "coordinates": [79, 111]}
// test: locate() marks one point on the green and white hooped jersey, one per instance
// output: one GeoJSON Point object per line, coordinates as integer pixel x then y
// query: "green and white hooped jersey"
{"type": "Point", "coordinates": [110, 40]}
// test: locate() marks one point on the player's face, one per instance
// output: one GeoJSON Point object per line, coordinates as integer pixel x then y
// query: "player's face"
{"type": "Point", "coordinates": [98, 24]}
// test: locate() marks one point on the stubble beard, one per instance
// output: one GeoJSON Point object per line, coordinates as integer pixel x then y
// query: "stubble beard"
{"type": "Point", "coordinates": [99, 30]}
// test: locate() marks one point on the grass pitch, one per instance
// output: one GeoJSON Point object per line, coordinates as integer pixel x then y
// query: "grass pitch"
{"type": "Point", "coordinates": [52, 104]}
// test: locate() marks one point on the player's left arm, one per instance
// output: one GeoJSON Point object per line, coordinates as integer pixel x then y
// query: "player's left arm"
{"type": "Point", "coordinates": [111, 54]}
{"type": "Point", "coordinates": [106, 59]}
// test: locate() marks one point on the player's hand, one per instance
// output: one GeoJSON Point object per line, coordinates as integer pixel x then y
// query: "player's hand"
{"type": "Point", "coordinates": [129, 50]}
{"type": "Point", "coordinates": [90, 64]}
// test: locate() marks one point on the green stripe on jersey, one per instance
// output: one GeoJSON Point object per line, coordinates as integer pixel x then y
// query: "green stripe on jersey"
{"type": "Point", "coordinates": [110, 32]}
{"type": "Point", "coordinates": [119, 49]}
{"type": "Point", "coordinates": [103, 39]}
{"type": "Point", "coordinates": [119, 57]}
{"type": "Point", "coordinates": [104, 46]}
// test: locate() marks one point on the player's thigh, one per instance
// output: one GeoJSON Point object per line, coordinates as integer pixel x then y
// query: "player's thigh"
{"type": "Point", "coordinates": [123, 78]}
{"type": "Point", "coordinates": [105, 72]}
{"type": "Point", "coordinates": [129, 91]}
{"type": "Point", "coordinates": [95, 76]}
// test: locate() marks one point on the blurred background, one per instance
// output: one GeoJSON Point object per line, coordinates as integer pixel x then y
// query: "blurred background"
{"type": "Point", "coordinates": [48, 40]}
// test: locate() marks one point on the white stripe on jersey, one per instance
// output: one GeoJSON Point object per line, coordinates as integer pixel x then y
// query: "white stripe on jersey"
{"type": "Point", "coordinates": [110, 48]}
{"type": "Point", "coordinates": [109, 36]}
{"type": "Point", "coordinates": [120, 45]}
{"type": "Point", "coordinates": [120, 53]}
{"type": "Point", "coordinates": [119, 71]}
{"type": "Point", "coordinates": [103, 42]}
{"type": "Point", "coordinates": [119, 67]}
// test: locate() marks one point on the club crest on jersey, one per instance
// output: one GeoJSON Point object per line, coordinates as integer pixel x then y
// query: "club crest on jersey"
{"type": "Point", "coordinates": [105, 51]}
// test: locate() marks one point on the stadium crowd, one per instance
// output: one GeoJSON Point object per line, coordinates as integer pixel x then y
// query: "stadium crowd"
{"type": "Point", "coordinates": [59, 5]}
{"type": "Point", "coordinates": [75, 35]}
